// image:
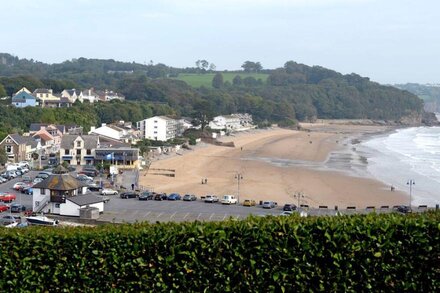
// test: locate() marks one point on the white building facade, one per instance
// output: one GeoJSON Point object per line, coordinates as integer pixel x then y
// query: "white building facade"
{"type": "Point", "coordinates": [227, 122]}
{"type": "Point", "coordinates": [158, 128]}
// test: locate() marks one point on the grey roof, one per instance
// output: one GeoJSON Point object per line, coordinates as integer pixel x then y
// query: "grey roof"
{"type": "Point", "coordinates": [42, 91]}
{"type": "Point", "coordinates": [26, 140]}
{"type": "Point", "coordinates": [86, 199]}
{"type": "Point", "coordinates": [34, 127]}
{"type": "Point", "coordinates": [21, 97]}
{"type": "Point", "coordinates": [90, 141]}
{"type": "Point", "coordinates": [61, 182]}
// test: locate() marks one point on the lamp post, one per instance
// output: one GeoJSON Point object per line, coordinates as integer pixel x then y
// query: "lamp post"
{"type": "Point", "coordinates": [298, 195]}
{"type": "Point", "coordinates": [239, 177]}
{"type": "Point", "coordinates": [410, 182]}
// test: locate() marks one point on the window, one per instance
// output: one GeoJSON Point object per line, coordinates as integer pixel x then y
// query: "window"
{"type": "Point", "coordinates": [78, 152]}
{"type": "Point", "coordinates": [66, 152]}
{"type": "Point", "coordinates": [43, 191]}
{"type": "Point", "coordinates": [89, 152]}
{"type": "Point", "coordinates": [155, 121]}
{"type": "Point", "coordinates": [78, 144]}
{"type": "Point", "coordinates": [155, 132]}
{"type": "Point", "coordinates": [155, 126]}
{"type": "Point", "coordinates": [9, 149]}
{"type": "Point", "coordinates": [57, 205]}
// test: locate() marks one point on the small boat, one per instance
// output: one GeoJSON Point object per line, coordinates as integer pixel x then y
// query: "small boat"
{"type": "Point", "coordinates": [42, 221]}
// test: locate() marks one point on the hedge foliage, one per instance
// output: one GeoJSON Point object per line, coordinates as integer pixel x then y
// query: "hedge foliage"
{"type": "Point", "coordinates": [346, 254]}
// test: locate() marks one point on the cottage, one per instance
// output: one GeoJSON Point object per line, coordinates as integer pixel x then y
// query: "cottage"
{"type": "Point", "coordinates": [19, 148]}
{"type": "Point", "coordinates": [24, 98]}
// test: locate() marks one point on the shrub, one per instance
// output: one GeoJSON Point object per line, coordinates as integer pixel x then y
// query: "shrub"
{"type": "Point", "coordinates": [350, 253]}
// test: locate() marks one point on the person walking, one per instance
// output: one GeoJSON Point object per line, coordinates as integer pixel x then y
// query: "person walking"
{"type": "Point", "coordinates": [132, 186]}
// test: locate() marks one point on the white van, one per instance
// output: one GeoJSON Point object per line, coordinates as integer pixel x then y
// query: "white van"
{"type": "Point", "coordinates": [229, 199]}
{"type": "Point", "coordinates": [12, 167]}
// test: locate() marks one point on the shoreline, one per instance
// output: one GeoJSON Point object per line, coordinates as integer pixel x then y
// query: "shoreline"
{"type": "Point", "coordinates": [264, 180]}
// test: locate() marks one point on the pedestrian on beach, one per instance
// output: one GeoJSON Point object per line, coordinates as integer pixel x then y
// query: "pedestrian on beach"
{"type": "Point", "coordinates": [203, 181]}
{"type": "Point", "coordinates": [132, 186]}
{"type": "Point", "coordinates": [206, 180]}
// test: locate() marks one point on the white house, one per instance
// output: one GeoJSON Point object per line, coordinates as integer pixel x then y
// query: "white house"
{"type": "Point", "coordinates": [158, 128]}
{"type": "Point", "coordinates": [74, 204]}
{"type": "Point", "coordinates": [227, 122]}
{"type": "Point", "coordinates": [72, 95]}
{"type": "Point", "coordinates": [89, 95]}
{"type": "Point", "coordinates": [108, 130]}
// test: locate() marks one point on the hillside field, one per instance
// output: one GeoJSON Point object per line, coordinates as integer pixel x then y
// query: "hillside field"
{"type": "Point", "coordinates": [198, 80]}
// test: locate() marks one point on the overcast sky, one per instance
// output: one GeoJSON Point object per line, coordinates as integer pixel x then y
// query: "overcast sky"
{"type": "Point", "coordinates": [390, 41]}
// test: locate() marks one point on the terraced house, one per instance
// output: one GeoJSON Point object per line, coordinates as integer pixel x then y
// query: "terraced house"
{"type": "Point", "coordinates": [79, 149]}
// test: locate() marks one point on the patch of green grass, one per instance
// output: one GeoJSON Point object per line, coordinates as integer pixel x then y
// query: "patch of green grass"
{"type": "Point", "coordinates": [198, 80]}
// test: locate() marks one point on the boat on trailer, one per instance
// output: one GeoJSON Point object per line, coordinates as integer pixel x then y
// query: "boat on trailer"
{"type": "Point", "coordinates": [42, 221]}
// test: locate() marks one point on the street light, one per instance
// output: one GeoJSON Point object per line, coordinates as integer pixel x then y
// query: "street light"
{"type": "Point", "coordinates": [410, 182]}
{"type": "Point", "coordinates": [239, 177]}
{"type": "Point", "coordinates": [298, 195]}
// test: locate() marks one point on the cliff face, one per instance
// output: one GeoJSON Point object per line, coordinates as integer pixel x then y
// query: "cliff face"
{"type": "Point", "coordinates": [430, 119]}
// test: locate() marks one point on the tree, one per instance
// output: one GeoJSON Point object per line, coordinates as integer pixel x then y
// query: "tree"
{"type": "Point", "coordinates": [204, 64]}
{"type": "Point", "coordinates": [237, 81]}
{"type": "Point", "coordinates": [250, 66]}
{"type": "Point", "coordinates": [2, 91]}
{"type": "Point", "coordinates": [212, 67]}
{"type": "Point", "coordinates": [217, 81]}
{"type": "Point", "coordinates": [3, 156]}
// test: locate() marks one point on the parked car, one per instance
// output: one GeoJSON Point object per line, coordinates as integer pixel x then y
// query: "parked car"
{"type": "Point", "coordinates": [17, 208]}
{"type": "Point", "coordinates": [229, 199]}
{"type": "Point", "coordinates": [269, 205]}
{"type": "Point", "coordinates": [26, 179]}
{"type": "Point", "coordinates": [19, 186]}
{"type": "Point", "coordinates": [43, 157]}
{"type": "Point", "coordinates": [37, 180]}
{"type": "Point", "coordinates": [174, 196]}
{"type": "Point", "coordinates": [286, 213]}
{"type": "Point", "coordinates": [146, 195]}
{"type": "Point", "coordinates": [7, 197]}
{"type": "Point", "coordinates": [249, 203]}
{"type": "Point", "coordinates": [160, 196]}
{"type": "Point", "coordinates": [189, 197]}
{"type": "Point", "coordinates": [402, 209]}
{"type": "Point", "coordinates": [3, 180]}
{"type": "Point", "coordinates": [93, 186]}
{"type": "Point", "coordinates": [3, 208]}
{"type": "Point", "coordinates": [7, 220]}
{"type": "Point", "coordinates": [28, 190]}
{"type": "Point", "coordinates": [42, 175]}
{"type": "Point", "coordinates": [211, 198]}
{"type": "Point", "coordinates": [23, 164]}
{"type": "Point", "coordinates": [109, 191]}
{"type": "Point", "coordinates": [84, 178]}
{"type": "Point", "coordinates": [129, 194]}
{"type": "Point", "coordinates": [289, 207]}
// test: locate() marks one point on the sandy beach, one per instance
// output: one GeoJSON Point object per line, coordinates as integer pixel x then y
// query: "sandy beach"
{"type": "Point", "coordinates": [258, 157]}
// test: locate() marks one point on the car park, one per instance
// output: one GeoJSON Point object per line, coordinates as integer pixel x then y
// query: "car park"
{"type": "Point", "coordinates": [211, 198]}
{"type": "Point", "coordinates": [7, 197]}
{"type": "Point", "coordinates": [146, 195]}
{"type": "Point", "coordinates": [17, 208]}
{"type": "Point", "coordinates": [129, 194]}
{"type": "Point", "coordinates": [269, 205]}
{"type": "Point", "coordinates": [189, 197]}
{"type": "Point", "coordinates": [109, 191]}
{"type": "Point", "coordinates": [249, 203]}
{"type": "Point", "coordinates": [174, 196]}
{"type": "Point", "coordinates": [289, 207]}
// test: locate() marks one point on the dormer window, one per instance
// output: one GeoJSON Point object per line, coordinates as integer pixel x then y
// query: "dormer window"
{"type": "Point", "coordinates": [78, 144]}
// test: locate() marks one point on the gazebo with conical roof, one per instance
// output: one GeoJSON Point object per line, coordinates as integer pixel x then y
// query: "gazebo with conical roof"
{"type": "Point", "coordinates": [49, 194]}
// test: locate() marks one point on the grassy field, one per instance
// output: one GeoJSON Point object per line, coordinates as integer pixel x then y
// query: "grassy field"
{"type": "Point", "coordinates": [198, 80]}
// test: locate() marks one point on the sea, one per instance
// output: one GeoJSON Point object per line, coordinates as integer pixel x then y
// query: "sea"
{"type": "Point", "coordinates": [405, 156]}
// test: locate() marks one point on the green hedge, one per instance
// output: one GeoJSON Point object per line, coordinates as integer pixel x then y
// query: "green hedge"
{"type": "Point", "coordinates": [350, 253]}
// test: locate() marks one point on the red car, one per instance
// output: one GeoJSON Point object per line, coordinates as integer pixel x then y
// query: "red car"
{"type": "Point", "coordinates": [7, 197]}
{"type": "Point", "coordinates": [3, 208]}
